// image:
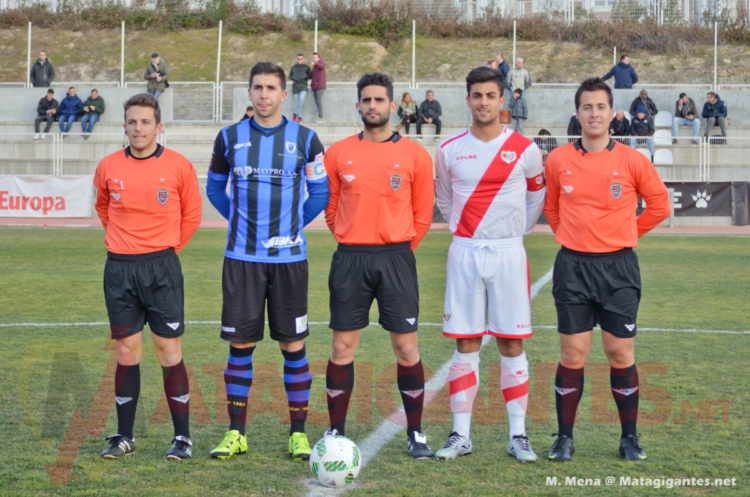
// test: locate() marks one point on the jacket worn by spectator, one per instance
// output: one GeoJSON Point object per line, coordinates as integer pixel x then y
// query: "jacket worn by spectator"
{"type": "Point", "coordinates": [318, 81]}
{"type": "Point", "coordinates": [70, 106]}
{"type": "Point", "coordinates": [685, 110]}
{"type": "Point", "coordinates": [504, 69]}
{"type": "Point", "coordinates": [620, 128]}
{"type": "Point", "coordinates": [717, 109]}
{"type": "Point", "coordinates": [429, 110]}
{"type": "Point", "coordinates": [97, 104]}
{"type": "Point", "coordinates": [518, 78]}
{"type": "Point", "coordinates": [409, 108]}
{"type": "Point", "coordinates": [45, 105]}
{"type": "Point", "coordinates": [299, 74]}
{"type": "Point", "coordinates": [647, 104]}
{"type": "Point", "coordinates": [625, 76]}
{"type": "Point", "coordinates": [42, 74]}
{"type": "Point", "coordinates": [518, 108]}
{"type": "Point", "coordinates": [642, 127]}
{"type": "Point", "coordinates": [160, 68]}
{"type": "Point", "coordinates": [574, 127]}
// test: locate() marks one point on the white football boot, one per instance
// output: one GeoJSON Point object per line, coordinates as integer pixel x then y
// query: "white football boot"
{"type": "Point", "coordinates": [457, 445]}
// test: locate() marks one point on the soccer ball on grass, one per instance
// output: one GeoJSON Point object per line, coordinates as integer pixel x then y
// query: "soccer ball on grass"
{"type": "Point", "coordinates": [335, 461]}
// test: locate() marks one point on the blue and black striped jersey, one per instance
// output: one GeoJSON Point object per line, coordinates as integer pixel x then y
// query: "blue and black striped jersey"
{"type": "Point", "coordinates": [265, 206]}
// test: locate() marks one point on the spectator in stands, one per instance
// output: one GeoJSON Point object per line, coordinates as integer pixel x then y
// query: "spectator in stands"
{"type": "Point", "coordinates": [625, 76]}
{"type": "Point", "coordinates": [642, 127]}
{"type": "Point", "coordinates": [574, 128]}
{"type": "Point", "coordinates": [643, 100]}
{"type": "Point", "coordinates": [46, 111]}
{"type": "Point", "coordinates": [685, 114]}
{"type": "Point", "coordinates": [93, 108]}
{"type": "Point", "coordinates": [429, 112]}
{"type": "Point", "coordinates": [157, 76]}
{"type": "Point", "coordinates": [299, 74]}
{"type": "Point", "coordinates": [502, 66]}
{"type": "Point", "coordinates": [407, 111]}
{"type": "Point", "coordinates": [519, 112]}
{"type": "Point", "coordinates": [545, 143]}
{"type": "Point", "coordinates": [318, 84]}
{"type": "Point", "coordinates": [518, 77]}
{"type": "Point", "coordinates": [69, 108]}
{"type": "Point", "coordinates": [249, 113]}
{"type": "Point", "coordinates": [492, 64]}
{"type": "Point", "coordinates": [620, 126]}
{"type": "Point", "coordinates": [42, 72]}
{"type": "Point", "coordinates": [715, 112]}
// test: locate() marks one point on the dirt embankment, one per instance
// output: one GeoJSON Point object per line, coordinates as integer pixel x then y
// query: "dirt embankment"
{"type": "Point", "coordinates": [191, 55]}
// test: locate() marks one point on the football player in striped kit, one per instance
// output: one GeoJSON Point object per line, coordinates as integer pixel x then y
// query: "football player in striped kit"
{"type": "Point", "coordinates": [490, 186]}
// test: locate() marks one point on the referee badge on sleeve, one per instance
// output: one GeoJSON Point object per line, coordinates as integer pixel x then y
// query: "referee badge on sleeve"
{"type": "Point", "coordinates": [162, 195]}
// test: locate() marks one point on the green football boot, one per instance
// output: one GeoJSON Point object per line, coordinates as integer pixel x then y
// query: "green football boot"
{"type": "Point", "coordinates": [233, 443]}
{"type": "Point", "coordinates": [299, 447]}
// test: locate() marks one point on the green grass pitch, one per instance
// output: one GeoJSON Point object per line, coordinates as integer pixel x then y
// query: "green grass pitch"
{"type": "Point", "coordinates": [55, 395]}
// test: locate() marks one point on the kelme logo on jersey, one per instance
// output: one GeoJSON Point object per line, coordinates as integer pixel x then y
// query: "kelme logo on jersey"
{"type": "Point", "coordinates": [240, 145]}
{"type": "Point", "coordinates": [507, 156]}
{"type": "Point", "coordinates": [395, 182]}
{"type": "Point", "coordinates": [616, 190]}
{"type": "Point", "coordinates": [162, 195]}
{"type": "Point", "coordinates": [284, 241]}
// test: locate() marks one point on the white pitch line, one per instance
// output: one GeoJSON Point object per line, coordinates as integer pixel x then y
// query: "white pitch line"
{"type": "Point", "coordinates": [388, 430]}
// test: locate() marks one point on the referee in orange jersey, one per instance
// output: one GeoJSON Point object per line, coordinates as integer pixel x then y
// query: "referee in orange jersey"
{"type": "Point", "coordinates": [592, 194]}
{"type": "Point", "coordinates": [380, 207]}
{"type": "Point", "coordinates": [148, 200]}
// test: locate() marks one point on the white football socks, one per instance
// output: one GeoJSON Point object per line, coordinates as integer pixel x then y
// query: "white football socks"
{"type": "Point", "coordinates": [514, 382]}
{"type": "Point", "coordinates": [464, 385]}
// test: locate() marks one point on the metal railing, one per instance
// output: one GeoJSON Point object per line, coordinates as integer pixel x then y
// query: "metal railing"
{"type": "Point", "coordinates": [192, 101]}
{"type": "Point", "coordinates": [676, 159]}
{"type": "Point", "coordinates": [12, 85]}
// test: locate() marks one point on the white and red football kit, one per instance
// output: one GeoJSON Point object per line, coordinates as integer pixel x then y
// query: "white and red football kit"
{"type": "Point", "coordinates": [492, 194]}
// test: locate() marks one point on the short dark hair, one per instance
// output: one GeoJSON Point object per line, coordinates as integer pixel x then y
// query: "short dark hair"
{"type": "Point", "coordinates": [683, 95]}
{"type": "Point", "coordinates": [72, 88]}
{"type": "Point", "coordinates": [622, 57]}
{"type": "Point", "coordinates": [593, 84]}
{"type": "Point", "coordinates": [144, 100]}
{"type": "Point", "coordinates": [544, 132]}
{"type": "Point", "coordinates": [94, 90]}
{"type": "Point", "coordinates": [250, 107]}
{"type": "Point", "coordinates": [42, 50]}
{"type": "Point", "coordinates": [711, 94]}
{"type": "Point", "coordinates": [375, 79]}
{"type": "Point", "coordinates": [316, 53]}
{"type": "Point", "coordinates": [519, 91]}
{"type": "Point", "coordinates": [300, 55]}
{"type": "Point", "coordinates": [51, 91]}
{"type": "Point", "coordinates": [484, 75]}
{"type": "Point", "coordinates": [268, 68]}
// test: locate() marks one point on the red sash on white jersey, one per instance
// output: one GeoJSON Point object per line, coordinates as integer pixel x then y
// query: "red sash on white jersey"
{"type": "Point", "coordinates": [491, 183]}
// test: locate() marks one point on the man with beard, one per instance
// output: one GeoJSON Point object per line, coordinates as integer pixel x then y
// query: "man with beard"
{"type": "Point", "coordinates": [380, 208]}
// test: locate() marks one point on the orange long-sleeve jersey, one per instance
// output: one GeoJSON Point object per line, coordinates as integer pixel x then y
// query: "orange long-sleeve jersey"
{"type": "Point", "coordinates": [147, 205]}
{"type": "Point", "coordinates": [379, 192]}
{"type": "Point", "coordinates": [592, 197]}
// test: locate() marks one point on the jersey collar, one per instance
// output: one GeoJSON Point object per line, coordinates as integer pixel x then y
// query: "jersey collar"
{"type": "Point", "coordinates": [578, 144]}
{"type": "Point", "coordinates": [395, 137]}
{"type": "Point", "coordinates": [157, 153]}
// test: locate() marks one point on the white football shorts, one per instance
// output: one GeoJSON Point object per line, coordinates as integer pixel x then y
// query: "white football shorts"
{"type": "Point", "coordinates": [487, 289]}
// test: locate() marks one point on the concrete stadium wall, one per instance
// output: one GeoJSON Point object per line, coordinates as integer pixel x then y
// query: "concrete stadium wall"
{"type": "Point", "coordinates": [19, 104]}
{"type": "Point", "coordinates": [547, 108]}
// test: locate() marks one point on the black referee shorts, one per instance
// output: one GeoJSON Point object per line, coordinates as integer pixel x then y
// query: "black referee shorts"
{"type": "Point", "coordinates": [247, 286]}
{"type": "Point", "coordinates": [144, 288]}
{"type": "Point", "coordinates": [361, 273]}
{"type": "Point", "coordinates": [597, 288]}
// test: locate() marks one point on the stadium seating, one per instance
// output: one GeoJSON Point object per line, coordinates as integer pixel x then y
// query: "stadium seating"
{"type": "Point", "coordinates": [662, 138]}
{"type": "Point", "coordinates": [645, 152]}
{"type": "Point", "coordinates": [663, 119]}
{"type": "Point", "coordinates": [663, 157]}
